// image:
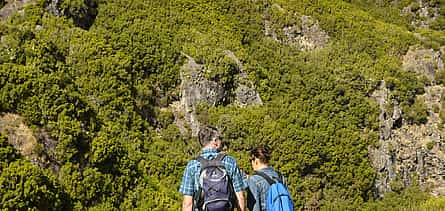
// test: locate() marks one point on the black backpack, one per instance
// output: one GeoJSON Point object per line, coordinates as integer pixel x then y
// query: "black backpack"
{"type": "Point", "coordinates": [215, 186]}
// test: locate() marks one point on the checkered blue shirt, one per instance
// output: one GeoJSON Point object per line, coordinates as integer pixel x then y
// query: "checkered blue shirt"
{"type": "Point", "coordinates": [190, 178]}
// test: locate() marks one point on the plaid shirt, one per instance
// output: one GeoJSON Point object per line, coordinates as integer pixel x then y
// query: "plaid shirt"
{"type": "Point", "coordinates": [258, 187]}
{"type": "Point", "coordinates": [190, 178]}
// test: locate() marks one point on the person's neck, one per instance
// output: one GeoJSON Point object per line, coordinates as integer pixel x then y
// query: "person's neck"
{"type": "Point", "coordinates": [261, 166]}
{"type": "Point", "coordinates": [209, 147]}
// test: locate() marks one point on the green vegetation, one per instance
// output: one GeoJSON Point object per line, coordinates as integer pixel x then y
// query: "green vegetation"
{"type": "Point", "coordinates": [27, 187]}
{"type": "Point", "coordinates": [97, 78]}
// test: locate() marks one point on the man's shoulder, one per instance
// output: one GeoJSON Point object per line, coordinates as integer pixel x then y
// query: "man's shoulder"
{"type": "Point", "coordinates": [192, 163]}
{"type": "Point", "coordinates": [229, 158]}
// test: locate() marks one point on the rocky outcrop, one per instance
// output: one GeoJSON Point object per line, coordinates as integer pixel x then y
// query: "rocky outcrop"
{"type": "Point", "coordinates": [422, 13]}
{"type": "Point", "coordinates": [82, 16]}
{"type": "Point", "coordinates": [196, 90]}
{"type": "Point", "coordinates": [382, 158]}
{"type": "Point", "coordinates": [13, 6]}
{"type": "Point", "coordinates": [269, 31]}
{"type": "Point", "coordinates": [308, 36]}
{"type": "Point", "coordinates": [245, 93]}
{"type": "Point", "coordinates": [54, 8]}
{"type": "Point", "coordinates": [305, 33]}
{"type": "Point", "coordinates": [411, 154]}
{"type": "Point", "coordinates": [424, 62]}
{"type": "Point", "coordinates": [33, 145]}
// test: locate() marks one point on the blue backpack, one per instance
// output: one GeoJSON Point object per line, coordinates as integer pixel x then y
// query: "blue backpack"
{"type": "Point", "coordinates": [278, 197]}
{"type": "Point", "coordinates": [216, 191]}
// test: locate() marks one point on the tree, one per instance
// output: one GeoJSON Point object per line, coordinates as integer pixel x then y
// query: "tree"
{"type": "Point", "coordinates": [26, 187]}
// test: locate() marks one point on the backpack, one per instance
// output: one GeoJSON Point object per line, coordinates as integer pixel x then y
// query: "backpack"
{"type": "Point", "coordinates": [215, 186]}
{"type": "Point", "coordinates": [278, 197]}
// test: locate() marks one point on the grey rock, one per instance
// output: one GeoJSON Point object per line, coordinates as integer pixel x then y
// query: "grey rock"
{"type": "Point", "coordinates": [53, 8]}
{"type": "Point", "coordinates": [13, 6]}
{"type": "Point", "coordinates": [403, 152]}
{"type": "Point", "coordinates": [423, 15]}
{"type": "Point", "coordinates": [307, 35]}
{"type": "Point", "coordinates": [423, 61]}
{"type": "Point", "coordinates": [196, 89]}
{"type": "Point", "coordinates": [245, 94]}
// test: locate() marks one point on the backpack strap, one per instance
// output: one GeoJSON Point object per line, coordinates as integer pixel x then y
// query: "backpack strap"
{"type": "Point", "coordinates": [265, 176]}
{"type": "Point", "coordinates": [215, 162]}
{"type": "Point", "coordinates": [269, 179]}
{"type": "Point", "coordinates": [280, 178]}
{"type": "Point", "coordinates": [220, 156]}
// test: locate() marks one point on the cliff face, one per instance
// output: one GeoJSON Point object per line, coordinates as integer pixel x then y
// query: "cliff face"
{"type": "Point", "coordinates": [409, 153]}
{"type": "Point", "coordinates": [196, 89]}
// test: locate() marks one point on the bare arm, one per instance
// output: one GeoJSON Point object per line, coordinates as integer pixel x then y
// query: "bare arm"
{"type": "Point", "coordinates": [187, 203]}
{"type": "Point", "coordinates": [241, 202]}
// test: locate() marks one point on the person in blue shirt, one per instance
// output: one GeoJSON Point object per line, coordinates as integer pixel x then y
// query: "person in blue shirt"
{"type": "Point", "coordinates": [258, 186]}
{"type": "Point", "coordinates": [210, 140]}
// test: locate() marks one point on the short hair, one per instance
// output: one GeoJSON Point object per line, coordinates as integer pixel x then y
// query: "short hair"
{"type": "Point", "coordinates": [207, 134]}
{"type": "Point", "coordinates": [262, 153]}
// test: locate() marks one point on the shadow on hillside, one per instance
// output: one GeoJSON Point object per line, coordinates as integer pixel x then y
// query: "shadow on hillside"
{"type": "Point", "coordinates": [83, 15]}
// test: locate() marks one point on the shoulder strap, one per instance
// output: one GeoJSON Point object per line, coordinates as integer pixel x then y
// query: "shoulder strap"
{"type": "Point", "coordinates": [265, 176]}
{"type": "Point", "coordinates": [270, 180]}
{"type": "Point", "coordinates": [202, 161]}
{"type": "Point", "coordinates": [280, 177]}
{"type": "Point", "coordinates": [220, 156]}
{"type": "Point", "coordinates": [215, 162]}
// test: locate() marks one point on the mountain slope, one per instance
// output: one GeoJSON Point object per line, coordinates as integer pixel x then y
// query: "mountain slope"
{"type": "Point", "coordinates": [104, 91]}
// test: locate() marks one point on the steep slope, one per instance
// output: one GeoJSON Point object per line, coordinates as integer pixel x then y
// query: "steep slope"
{"type": "Point", "coordinates": [121, 87]}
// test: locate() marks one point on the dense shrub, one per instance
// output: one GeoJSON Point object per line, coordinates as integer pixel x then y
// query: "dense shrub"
{"type": "Point", "coordinates": [102, 91]}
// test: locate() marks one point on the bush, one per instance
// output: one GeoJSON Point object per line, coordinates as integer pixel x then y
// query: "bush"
{"type": "Point", "coordinates": [25, 187]}
{"type": "Point", "coordinates": [7, 152]}
{"type": "Point", "coordinates": [103, 94]}
{"type": "Point", "coordinates": [417, 113]}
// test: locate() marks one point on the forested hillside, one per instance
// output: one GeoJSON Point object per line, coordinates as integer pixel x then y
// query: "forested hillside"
{"type": "Point", "coordinates": [87, 89]}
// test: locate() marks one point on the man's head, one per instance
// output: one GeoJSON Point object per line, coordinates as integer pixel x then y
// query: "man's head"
{"type": "Point", "coordinates": [209, 137]}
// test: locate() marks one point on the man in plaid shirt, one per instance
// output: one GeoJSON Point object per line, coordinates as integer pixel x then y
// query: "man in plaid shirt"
{"type": "Point", "coordinates": [211, 143]}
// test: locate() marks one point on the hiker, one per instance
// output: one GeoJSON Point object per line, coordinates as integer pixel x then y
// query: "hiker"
{"type": "Point", "coordinates": [199, 194]}
{"type": "Point", "coordinates": [259, 194]}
